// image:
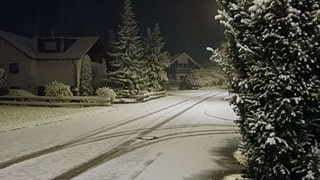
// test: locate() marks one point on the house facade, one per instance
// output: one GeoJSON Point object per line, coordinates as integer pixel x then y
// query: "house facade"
{"type": "Point", "coordinates": [32, 63]}
{"type": "Point", "coordinates": [180, 66]}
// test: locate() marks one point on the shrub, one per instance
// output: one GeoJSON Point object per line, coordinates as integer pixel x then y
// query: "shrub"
{"type": "Point", "coordinates": [3, 83]}
{"type": "Point", "coordinates": [86, 81]}
{"type": "Point", "coordinates": [106, 93]}
{"type": "Point", "coordinates": [57, 89]}
{"type": "Point", "coordinates": [199, 78]}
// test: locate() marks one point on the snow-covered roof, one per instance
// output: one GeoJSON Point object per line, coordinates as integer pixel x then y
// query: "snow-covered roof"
{"type": "Point", "coordinates": [29, 46]}
{"type": "Point", "coordinates": [23, 44]}
{"type": "Point", "coordinates": [174, 58]}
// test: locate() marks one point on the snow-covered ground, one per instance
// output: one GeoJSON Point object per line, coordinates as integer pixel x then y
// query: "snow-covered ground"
{"type": "Point", "coordinates": [16, 117]}
{"type": "Point", "coordinates": [188, 146]}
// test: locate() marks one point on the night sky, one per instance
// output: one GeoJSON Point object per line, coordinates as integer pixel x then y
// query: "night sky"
{"type": "Point", "coordinates": [186, 25]}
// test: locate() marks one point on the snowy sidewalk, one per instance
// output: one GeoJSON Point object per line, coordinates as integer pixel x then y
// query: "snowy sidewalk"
{"type": "Point", "coordinates": [188, 160]}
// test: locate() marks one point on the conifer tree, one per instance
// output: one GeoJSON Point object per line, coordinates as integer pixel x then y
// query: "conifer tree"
{"type": "Point", "coordinates": [127, 68]}
{"type": "Point", "coordinates": [86, 81]}
{"type": "Point", "coordinates": [275, 53]}
{"type": "Point", "coordinates": [157, 59]}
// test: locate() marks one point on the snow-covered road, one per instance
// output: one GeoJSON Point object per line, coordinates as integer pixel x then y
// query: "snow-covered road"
{"type": "Point", "coordinates": [176, 137]}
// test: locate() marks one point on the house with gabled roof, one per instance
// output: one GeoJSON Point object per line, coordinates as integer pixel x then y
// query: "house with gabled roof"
{"type": "Point", "coordinates": [180, 66]}
{"type": "Point", "coordinates": [32, 63]}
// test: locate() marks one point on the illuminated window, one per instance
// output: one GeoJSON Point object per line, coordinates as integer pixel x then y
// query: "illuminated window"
{"type": "Point", "coordinates": [14, 68]}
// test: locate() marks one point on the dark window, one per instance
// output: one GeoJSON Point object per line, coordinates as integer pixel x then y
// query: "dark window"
{"type": "Point", "coordinates": [14, 87]}
{"type": "Point", "coordinates": [54, 45]}
{"type": "Point", "coordinates": [50, 46]}
{"type": "Point", "coordinates": [14, 68]}
{"type": "Point", "coordinates": [185, 66]}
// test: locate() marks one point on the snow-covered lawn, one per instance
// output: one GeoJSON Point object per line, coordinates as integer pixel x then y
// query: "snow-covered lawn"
{"type": "Point", "coordinates": [16, 117]}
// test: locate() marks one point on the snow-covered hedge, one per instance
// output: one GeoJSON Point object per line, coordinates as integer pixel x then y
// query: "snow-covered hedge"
{"type": "Point", "coordinates": [57, 89]}
{"type": "Point", "coordinates": [3, 82]}
{"type": "Point", "coordinates": [198, 78]}
{"type": "Point", "coordinates": [274, 53]}
{"type": "Point", "coordinates": [106, 93]}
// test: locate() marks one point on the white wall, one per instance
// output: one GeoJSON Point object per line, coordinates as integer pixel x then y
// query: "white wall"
{"type": "Point", "coordinates": [33, 73]}
{"type": "Point", "coordinates": [59, 70]}
{"type": "Point", "coordinates": [24, 79]}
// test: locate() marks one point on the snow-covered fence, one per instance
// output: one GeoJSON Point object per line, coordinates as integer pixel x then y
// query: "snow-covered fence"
{"type": "Point", "coordinates": [140, 97]}
{"type": "Point", "coordinates": [55, 101]}
{"type": "Point", "coordinates": [76, 100]}
{"type": "Point", "coordinates": [149, 96]}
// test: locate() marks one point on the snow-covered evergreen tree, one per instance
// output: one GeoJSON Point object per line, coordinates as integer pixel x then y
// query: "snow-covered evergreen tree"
{"type": "Point", "coordinates": [157, 59]}
{"type": "Point", "coordinates": [86, 81]}
{"type": "Point", "coordinates": [275, 52]}
{"type": "Point", "coordinates": [3, 82]}
{"type": "Point", "coordinates": [127, 71]}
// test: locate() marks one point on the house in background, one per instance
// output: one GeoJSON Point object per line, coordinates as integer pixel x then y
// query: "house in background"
{"type": "Point", "coordinates": [32, 63]}
{"type": "Point", "coordinates": [180, 66]}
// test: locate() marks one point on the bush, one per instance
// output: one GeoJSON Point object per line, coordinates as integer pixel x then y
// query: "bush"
{"type": "Point", "coordinates": [199, 78]}
{"type": "Point", "coordinates": [86, 81]}
{"type": "Point", "coordinates": [106, 93]}
{"type": "Point", "coordinates": [57, 89]}
{"type": "Point", "coordinates": [3, 83]}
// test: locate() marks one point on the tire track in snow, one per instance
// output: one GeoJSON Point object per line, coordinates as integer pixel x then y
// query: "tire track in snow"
{"type": "Point", "coordinates": [62, 146]}
{"type": "Point", "coordinates": [135, 131]}
{"type": "Point", "coordinates": [124, 147]}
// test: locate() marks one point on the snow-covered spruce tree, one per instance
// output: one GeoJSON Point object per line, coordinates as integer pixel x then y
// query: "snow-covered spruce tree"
{"type": "Point", "coordinates": [127, 71]}
{"type": "Point", "coordinates": [86, 81]}
{"type": "Point", "coordinates": [275, 52]}
{"type": "Point", "coordinates": [157, 59]}
{"type": "Point", "coordinates": [3, 82]}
